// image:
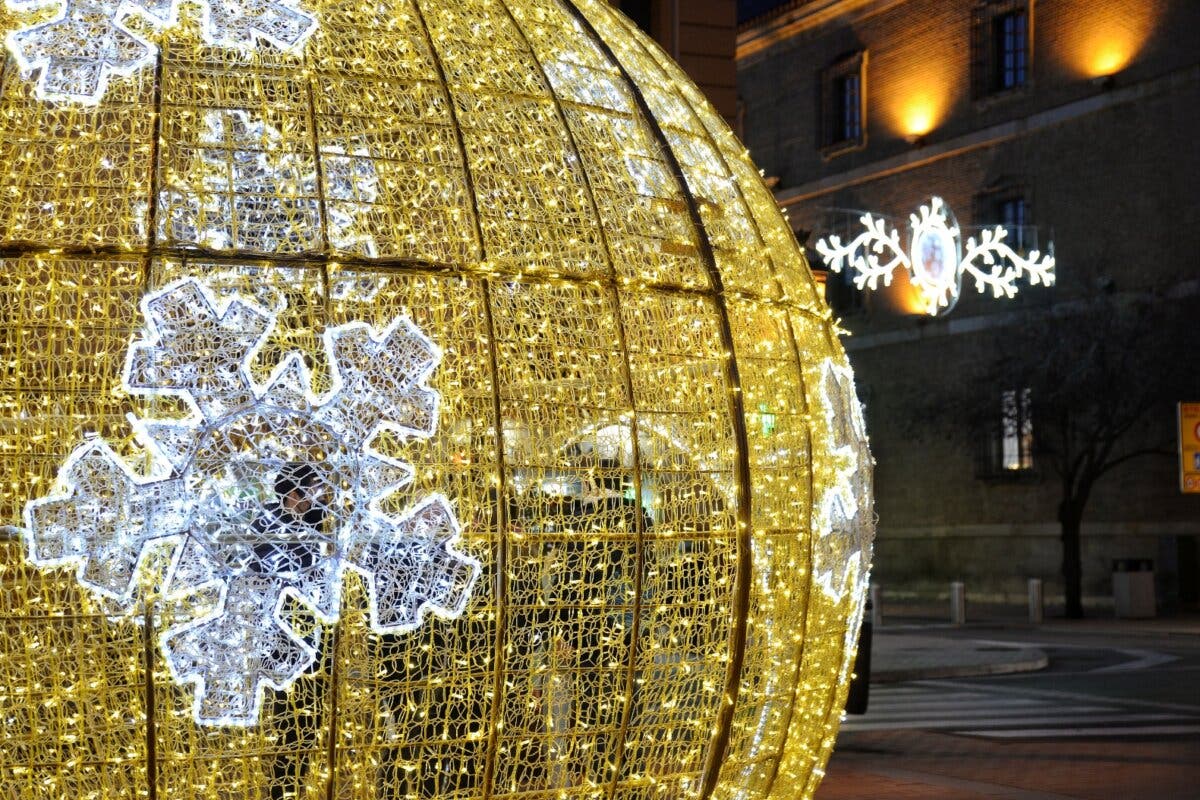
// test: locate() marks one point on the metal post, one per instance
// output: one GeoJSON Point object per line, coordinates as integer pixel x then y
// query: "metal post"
{"type": "Point", "coordinates": [876, 606]}
{"type": "Point", "coordinates": [958, 603]}
{"type": "Point", "coordinates": [1036, 607]}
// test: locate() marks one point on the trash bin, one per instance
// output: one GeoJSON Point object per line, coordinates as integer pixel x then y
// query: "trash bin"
{"type": "Point", "coordinates": [1133, 588]}
{"type": "Point", "coordinates": [860, 685]}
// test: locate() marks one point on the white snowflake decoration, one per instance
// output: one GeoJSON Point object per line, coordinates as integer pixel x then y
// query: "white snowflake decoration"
{"type": "Point", "coordinates": [935, 261]}
{"type": "Point", "coordinates": [845, 520]}
{"type": "Point", "coordinates": [89, 41]}
{"type": "Point", "coordinates": [245, 189]}
{"type": "Point", "coordinates": [267, 494]}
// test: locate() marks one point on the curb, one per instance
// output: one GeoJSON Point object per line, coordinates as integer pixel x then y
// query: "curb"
{"type": "Point", "coordinates": [1036, 660]}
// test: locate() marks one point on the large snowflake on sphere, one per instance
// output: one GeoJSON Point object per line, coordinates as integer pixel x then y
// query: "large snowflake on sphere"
{"type": "Point", "coordinates": [89, 41]}
{"type": "Point", "coordinates": [845, 517]}
{"type": "Point", "coordinates": [267, 493]}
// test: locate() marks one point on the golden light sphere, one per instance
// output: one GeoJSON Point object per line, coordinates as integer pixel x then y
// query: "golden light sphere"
{"type": "Point", "coordinates": [615, 394]}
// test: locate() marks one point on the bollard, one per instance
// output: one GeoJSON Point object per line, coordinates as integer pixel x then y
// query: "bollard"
{"type": "Point", "coordinates": [1036, 607]}
{"type": "Point", "coordinates": [958, 603]}
{"type": "Point", "coordinates": [876, 607]}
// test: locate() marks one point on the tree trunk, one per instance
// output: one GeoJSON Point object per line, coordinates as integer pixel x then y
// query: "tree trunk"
{"type": "Point", "coordinates": [1070, 516]}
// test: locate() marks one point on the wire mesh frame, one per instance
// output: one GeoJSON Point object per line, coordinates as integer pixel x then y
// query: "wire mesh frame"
{"type": "Point", "coordinates": [737, 411]}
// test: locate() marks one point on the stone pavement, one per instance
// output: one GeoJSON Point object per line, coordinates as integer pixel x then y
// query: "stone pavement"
{"type": "Point", "coordinates": [915, 762]}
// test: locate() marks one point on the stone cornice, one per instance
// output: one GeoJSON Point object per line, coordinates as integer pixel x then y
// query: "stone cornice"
{"type": "Point", "coordinates": [765, 32]}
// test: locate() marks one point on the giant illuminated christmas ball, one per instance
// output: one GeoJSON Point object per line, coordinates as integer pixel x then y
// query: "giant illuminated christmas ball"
{"type": "Point", "coordinates": [417, 398]}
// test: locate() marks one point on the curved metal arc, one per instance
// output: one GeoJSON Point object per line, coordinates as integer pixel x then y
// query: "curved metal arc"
{"type": "Point", "coordinates": [627, 379]}
{"type": "Point", "coordinates": [742, 581]}
{"type": "Point", "coordinates": [501, 515]}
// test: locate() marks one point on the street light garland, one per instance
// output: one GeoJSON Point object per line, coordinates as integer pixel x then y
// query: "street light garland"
{"type": "Point", "coordinates": [935, 260]}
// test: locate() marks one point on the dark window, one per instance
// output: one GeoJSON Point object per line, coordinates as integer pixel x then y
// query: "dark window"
{"type": "Point", "coordinates": [1007, 444]}
{"type": "Point", "coordinates": [1013, 214]}
{"type": "Point", "coordinates": [847, 112]}
{"type": "Point", "coordinates": [1001, 47]}
{"type": "Point", "coordinates": [642, 13]}
{"type": "Point", "coordinates": [1010, 31]}
{"type": "Point", "coordinates": [842, 104]}
{"type": "Point", "coordinates": [841, 294]}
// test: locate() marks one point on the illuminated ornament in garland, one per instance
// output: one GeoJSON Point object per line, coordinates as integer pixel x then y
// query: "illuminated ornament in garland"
{"type": "Point", "coordinates": [266, 492]}
{"type": "Point", "coordinates": [636, 535]}
{"type": "Point", "coordinates": [936, 260]}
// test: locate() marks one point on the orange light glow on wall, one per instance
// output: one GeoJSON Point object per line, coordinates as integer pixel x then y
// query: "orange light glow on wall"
{"type": "Point", "coordinates": [921, 114]}
{"type": "Point", "coordinates": [918, 99]}
{"type": "Point", "coordinates": [1108, 39]}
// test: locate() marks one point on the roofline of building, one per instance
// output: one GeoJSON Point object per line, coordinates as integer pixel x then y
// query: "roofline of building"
{"type": "Point", "coordinates": [783, 23]}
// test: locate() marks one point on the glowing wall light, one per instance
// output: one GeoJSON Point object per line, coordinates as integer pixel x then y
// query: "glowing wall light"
{"type": "Point", "coordinates": [923, 81]}
{"type": "Point", "coordinates": [1107, 36]}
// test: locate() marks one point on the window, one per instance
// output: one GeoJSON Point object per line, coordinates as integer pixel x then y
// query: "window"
{"type": "Point", "coordinates": [644, 14]}
{"type": "Point", "coordinates": [842, 96]}
{"type": "Point", "coordinates": [841, 294]}
{"type": "Point", "coordinates": [1013, 213]}
{"type": "Point", "coordinates": [1006, 203]}
{"type": "Point", "coordinates": [1001, 45]}
{"type": "Point", "coordinates": [1007, 447]}
{"type": "Point", "coordinates": [1016, 421]}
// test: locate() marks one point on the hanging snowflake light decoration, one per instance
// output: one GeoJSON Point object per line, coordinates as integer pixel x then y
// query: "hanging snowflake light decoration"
{"type": "Point", "coordinates": [935, 260]}
{"type": "Point", "coordinates": [90, 41]}
{"type": "Point", "coordinates": [267, 493]}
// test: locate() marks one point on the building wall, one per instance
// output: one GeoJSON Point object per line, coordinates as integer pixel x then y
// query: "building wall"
{"type": "Point", "coordinates": [1102, 143]}
{"type": "Point", "coordinates": [699, 34]}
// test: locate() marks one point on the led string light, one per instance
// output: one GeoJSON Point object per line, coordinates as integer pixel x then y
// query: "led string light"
{"type": "Point", "coordinates": [89, 42]}
{"type": "Point", "coordinates": [355, 181]}
{"type": "Point", "coordinates": [208, 494]}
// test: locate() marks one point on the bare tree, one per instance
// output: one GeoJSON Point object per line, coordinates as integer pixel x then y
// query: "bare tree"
{"type": "Point", "coordinates": [1097, 381]}
{"type": "Point", "coordinates": [1069, 392]}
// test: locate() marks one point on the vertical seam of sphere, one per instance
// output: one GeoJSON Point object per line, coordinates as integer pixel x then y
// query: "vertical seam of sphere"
{"type": "Point", "coordinates": [147, 274]}
{"type": "Point", "coordinates": [844, 669]}
{"type": "Point", "coordinates": [618, 746]}
{"type": "Point", "coordinates": [800, 648]}
{"type": "Point", "coordinates": [148, 650]}
{"type": "Point", "coordinates": [322, 205]}
{"type": "Point", "coordinates": [806, 406]}
{"type": "Point", "coordinates": [501, 512]}
{"type": "Point", "coordinates": [720, 740]}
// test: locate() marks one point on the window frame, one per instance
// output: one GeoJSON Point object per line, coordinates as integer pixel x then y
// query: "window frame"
{"type": "Point", "coordinates": [989, 211]}
{"type": "Point", "coordinates": [1006, 451]}
{"type": "Point", "coordinates": [987, 68]}
{"type": "Point", "coordinates": [833, 138]}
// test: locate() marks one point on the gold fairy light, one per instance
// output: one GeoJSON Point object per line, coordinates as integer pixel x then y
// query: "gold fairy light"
{"type": "Point", "coordinates": [646, 432]}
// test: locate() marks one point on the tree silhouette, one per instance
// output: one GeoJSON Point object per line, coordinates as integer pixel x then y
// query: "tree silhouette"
{"type": "Point", "coordinates": [1102, 377]}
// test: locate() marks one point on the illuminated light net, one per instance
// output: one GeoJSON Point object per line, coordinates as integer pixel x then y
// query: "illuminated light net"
{"type": "Point", "coordinates": [645, 428]}
{"type": "Point", "coordinates": [88, 42]}
{"type": "Point", "coordinates": [271, 493]}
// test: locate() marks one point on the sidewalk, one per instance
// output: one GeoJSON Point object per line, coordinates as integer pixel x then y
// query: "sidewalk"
{"type": "Point", "coordinates": [906, 647]}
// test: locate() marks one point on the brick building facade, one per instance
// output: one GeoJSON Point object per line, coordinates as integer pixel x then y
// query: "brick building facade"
{"type": "Point", "coordinates": [1068, 121]}
{"type": "Point", "coordinates": [701, 36]}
